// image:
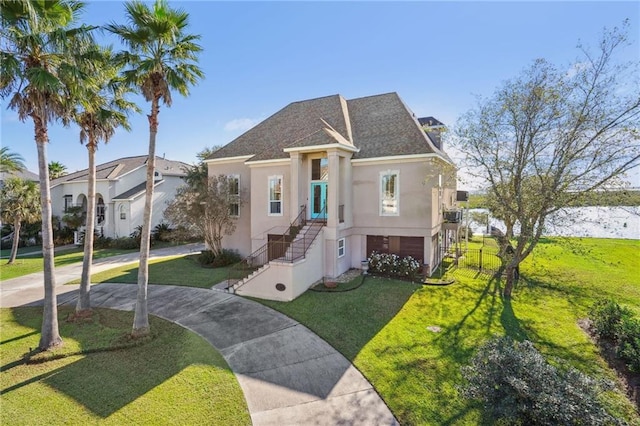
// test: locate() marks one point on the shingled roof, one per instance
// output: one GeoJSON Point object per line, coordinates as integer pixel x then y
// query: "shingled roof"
{"type": "Point", "coordinates": [379, 126]}
{"type": "Point", "coordinates": [22, 174]}
{"type": "Point", "coordinates": [116, 168]}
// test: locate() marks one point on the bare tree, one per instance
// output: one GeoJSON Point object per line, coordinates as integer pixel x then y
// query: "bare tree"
{"type": "Point", "coordinates": [548, 138]}
{"type": "Point", "coordinates": [206, 208]}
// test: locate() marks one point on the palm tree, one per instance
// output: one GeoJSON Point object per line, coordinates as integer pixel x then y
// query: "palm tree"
{"type": "Point", "coordinates": [36, 60]}
{"type": "Point", "coordinates": [101, 109]}
{"type": "Point", "coordinates": [20, 201]}
{"type": "Point", "coordinates": [160, 58]}
{"type": "Point", "coordinates": [56, 170]}
{"type": "Point", "coordinates": [10, 161]}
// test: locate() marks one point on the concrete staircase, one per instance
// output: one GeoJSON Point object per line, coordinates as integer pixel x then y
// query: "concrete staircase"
{"type": "Point", "coordinates": [303, 241]}
{"type": "Point", "coordinates": [296, 251]}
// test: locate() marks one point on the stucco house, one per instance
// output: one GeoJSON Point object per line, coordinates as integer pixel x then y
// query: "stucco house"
{"type": "Point", "coordinates": [120, 190]}
{"type": "Point", "coordinates": [326, 181]}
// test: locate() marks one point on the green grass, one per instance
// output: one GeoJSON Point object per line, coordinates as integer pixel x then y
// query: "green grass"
{"type": "Point", "coordinates": [383, 327]}
{"type": "Point", "coordinates": [174, 270]}
{"type": "Point", "coordinates": [175, 378]}
{"type": "Point", "coordinates": [29, 265]}
{"type": "Point", "coordinates": [5, 253]}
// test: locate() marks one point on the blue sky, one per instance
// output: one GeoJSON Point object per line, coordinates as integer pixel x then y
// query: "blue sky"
{"type": "Point", "coordinates": [260, 56]}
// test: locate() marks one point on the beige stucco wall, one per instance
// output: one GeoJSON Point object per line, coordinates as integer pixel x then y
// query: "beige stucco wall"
{"type": "Point", "coordinates": [262, 223]}
{"type": "Point", "coordinates": [358, 189]}
{"type": "Point", "coordinates": [240, 240]}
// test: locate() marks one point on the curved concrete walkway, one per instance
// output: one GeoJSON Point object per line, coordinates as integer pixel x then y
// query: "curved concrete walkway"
{"type": "Point", "coordinates": [288, 374]}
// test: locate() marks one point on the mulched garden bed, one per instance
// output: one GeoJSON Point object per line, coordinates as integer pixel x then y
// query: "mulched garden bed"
{"type": "Point", "coordinates": [629, 379]}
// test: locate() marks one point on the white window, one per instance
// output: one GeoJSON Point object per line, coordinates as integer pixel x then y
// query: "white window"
{"type": "Point", "coordinates": [341, 247]}
{"type": "Point", "coordinates": [234, 195]}
{"type": "Point", "coordinates": [275, 196]}
{"type": "Point", "coordinates": [123, 212]}
{"type": "Point", "coordinates": [389, 193]}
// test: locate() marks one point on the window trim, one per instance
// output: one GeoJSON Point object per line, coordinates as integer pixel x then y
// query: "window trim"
{"type": "Point", "coordinates": [235, 198]}
{"type": "Point", "coordinates": [68, 202]}
{"type": "Point", "coordinates": [343, 247]}
{"type": "Point", "coordinates": [123, 212]}
{"type": "Point", "coordinates": [269, 200]}
{"type": "Point", "coordinates": [396, 195]}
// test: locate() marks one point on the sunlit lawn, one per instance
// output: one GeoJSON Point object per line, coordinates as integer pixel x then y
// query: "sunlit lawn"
{"type": "Point", "coordinates": [410, 340]}
{"type": "Point", "coordinates": [28, 265]}
{"type": "Point", "coordinates": [176, 378]}
{"type": "Point", "coordinates": [174, 270]}
{"type": "Point", "coordinates": [385, 327]}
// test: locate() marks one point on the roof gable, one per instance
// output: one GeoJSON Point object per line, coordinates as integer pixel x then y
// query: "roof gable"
{"type": "Point", "coordinates": [117, 168]}
{"type": "Point", "coordinates": [377, 126]}
{"type": "Point", "coordinates": [297, 123]}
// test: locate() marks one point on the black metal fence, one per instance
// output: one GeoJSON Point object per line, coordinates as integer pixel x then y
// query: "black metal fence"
{"type": "Point", "coordinates": [483, 259]}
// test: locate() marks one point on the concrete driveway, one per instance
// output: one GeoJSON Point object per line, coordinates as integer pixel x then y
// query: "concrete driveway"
{"type": "Point", "coordinates": [288, 374]}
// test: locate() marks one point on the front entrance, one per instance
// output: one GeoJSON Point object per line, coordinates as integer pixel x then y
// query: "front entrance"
{"type": "Point", "coordinates": [318, 200]}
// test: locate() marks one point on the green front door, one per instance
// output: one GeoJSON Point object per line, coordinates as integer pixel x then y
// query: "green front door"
{"type": "Point", "coordinates": [318, 200]}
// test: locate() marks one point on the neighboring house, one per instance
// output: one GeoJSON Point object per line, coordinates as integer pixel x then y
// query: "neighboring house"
{"type": "Point", "coordinates": [120, 190]}
{"type": "Point", "coordinates": [23, 174]}
{"type": "Point", "coordinates": [365, 169]}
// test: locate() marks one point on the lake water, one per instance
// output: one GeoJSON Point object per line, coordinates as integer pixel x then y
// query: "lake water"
{"type": "Point", "coordinates": [595, 222]}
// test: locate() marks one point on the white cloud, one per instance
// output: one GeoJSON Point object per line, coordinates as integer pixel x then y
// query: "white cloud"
{"type": "Point", "coordinates": [240, 124]}
{"type": "Point", "coordinates": [576, 68]}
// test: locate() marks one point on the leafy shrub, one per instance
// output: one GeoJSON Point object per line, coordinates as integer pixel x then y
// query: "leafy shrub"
{"type": "Point", "coordinates": [161, 232]}
{"type": "Point", "coordinates": [518, 386]}
{"type": "Point", "coordinates": [102, 243]}
{"type": "Point", "coordinates": [629, 343]}
{"type": "Point", "coordinates": [125, 243]}
{"type": "Point", "coordinates": [206, 258]}
{"type": "Point", "coordinates": [63, 236]}
{"type": "Point", "coordinates": [607, 317]}
{"type": "Point", "coordinates": [617, 323]}
{"type": "Point", "coordinates": [394, 265]}
{"type": "Point", "coordinates": [225, 258]}
{"type": "Point", "coordinates": [136, 235]}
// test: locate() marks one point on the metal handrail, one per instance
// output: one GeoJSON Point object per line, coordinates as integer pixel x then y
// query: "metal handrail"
{"type": "Point", "coordinates": [263, 255]}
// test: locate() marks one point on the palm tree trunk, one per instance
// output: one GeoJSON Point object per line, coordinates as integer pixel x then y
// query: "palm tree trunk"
{"type": "Point", "coordinates": [84, 300]}
{"type": "Point", "coordinates": [16, 240]}
{"type": "Point", "coordinates": [141, 316]}
{"type": "Point", "coordinates": [50, 336]}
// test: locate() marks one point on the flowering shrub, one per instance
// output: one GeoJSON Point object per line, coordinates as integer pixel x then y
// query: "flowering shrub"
{"type": "Point", "coordinates": [394, 265]}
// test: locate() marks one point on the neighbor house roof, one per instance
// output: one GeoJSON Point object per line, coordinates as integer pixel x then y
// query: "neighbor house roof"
{"type": "Point", "coordinates": [23, 174]}
{"type": "Point", "coordinates": [116, 168]}
{"type": "Point", "coordinates": [378, 126]}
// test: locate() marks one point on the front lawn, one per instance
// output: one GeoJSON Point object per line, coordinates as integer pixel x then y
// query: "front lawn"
{"type": "Point", "coordinates": [175, 378]}
{"type": "Point", "coordinates": [174, 270]}
{"type": "Point", "coordinates": [31, 264]}
{"type": "Point", "coordinates": [411, 341]}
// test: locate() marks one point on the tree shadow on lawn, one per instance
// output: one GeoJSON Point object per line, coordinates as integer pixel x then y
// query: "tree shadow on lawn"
{"type": "Point", "coordinates": [486, 311]}
{"type": "Point", "coordinates": [105, 382]}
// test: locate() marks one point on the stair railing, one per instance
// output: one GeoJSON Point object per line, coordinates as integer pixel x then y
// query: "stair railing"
{"type": "Point", "coordinates": [268, 252]}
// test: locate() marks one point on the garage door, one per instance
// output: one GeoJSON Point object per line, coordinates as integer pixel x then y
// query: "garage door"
{"type": "Point", "coordinates": [402, 246]}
